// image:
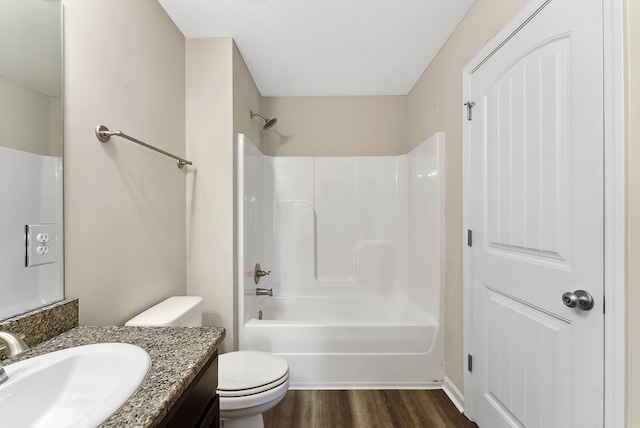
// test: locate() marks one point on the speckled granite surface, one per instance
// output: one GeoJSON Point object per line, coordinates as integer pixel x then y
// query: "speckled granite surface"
{"type": "Point", "coordinates": [177, 355]}
{"type": "Point", "coordinates": [44, 323]}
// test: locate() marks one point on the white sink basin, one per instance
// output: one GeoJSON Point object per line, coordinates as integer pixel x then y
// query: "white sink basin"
{"type": "Point", "coordinates": [75, 387]}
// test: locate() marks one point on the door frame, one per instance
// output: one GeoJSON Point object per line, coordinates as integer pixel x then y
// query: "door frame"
{"type": "Point", "coordinates": [615, 354]}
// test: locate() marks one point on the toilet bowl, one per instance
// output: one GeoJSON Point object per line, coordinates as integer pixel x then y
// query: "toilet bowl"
{"type": "Point", "coordinates": [249, 382]}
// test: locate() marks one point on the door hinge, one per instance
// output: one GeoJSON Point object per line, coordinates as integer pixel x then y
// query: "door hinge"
{"type": "Point", "coordinates": [469, 237]}
{"type": "Point", "coordinates": [469, 105]}
{"type": "Point", "coordinates": [469, 362]}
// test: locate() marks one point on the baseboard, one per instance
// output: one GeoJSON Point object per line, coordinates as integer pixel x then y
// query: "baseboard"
{"type": "Point", "coordinates": [363, 385]}
{"type": "Point", "coordinates": [453, 393]}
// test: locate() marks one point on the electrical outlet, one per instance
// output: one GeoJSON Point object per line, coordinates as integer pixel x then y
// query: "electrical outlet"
{"type": "Point", "coordinates": [41, 241]}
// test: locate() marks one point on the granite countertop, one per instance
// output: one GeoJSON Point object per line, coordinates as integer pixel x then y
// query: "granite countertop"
{"type": "Point", "coordinates": [177, 355]}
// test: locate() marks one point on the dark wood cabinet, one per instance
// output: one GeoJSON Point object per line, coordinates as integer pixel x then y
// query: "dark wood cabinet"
{"type": "Point", "coordinates": [199, 406]}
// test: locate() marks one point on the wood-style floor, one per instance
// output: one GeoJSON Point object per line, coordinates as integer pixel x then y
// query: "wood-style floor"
{"type": "Point", "coordinates": [366, 409]}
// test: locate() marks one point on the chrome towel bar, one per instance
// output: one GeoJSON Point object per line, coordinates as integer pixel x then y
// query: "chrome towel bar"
{"type": "Point", "coordinates": [103, 134]}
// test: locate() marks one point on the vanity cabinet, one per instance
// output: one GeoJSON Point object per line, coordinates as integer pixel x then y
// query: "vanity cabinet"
{"type": "Point", "coordinates": [199, 405]}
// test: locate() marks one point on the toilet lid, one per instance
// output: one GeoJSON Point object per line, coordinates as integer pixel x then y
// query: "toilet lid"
{"type": "Point", "coordinates": [243, 370]}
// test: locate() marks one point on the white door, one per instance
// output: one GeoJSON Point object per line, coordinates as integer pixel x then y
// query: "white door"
{"type": "Point", "coordinates": [536, 194]}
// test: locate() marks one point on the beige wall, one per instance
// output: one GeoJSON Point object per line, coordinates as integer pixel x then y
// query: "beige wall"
{"type": "Point", "coordinates": [56, 127]}
{"type": "Point", "coordinates": [220, 95]}
{"type": "Point", "coordinates": [633, 265]}
{"type": "Point", "coordinates": [24, 118]}
{"type": "Point", "coordinates": [435, 104]}
{"type": "Point", "coordinates": [209, 100]}
{"type": "Point", "coordinates": [124, 204]}
{"type": "Point", "coordinates": [246, 98]}
{"type": "Point", "coordinates": [336, 126]}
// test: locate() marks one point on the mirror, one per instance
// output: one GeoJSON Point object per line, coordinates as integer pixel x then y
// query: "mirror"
{"type": "Point", "coordinates": [31, 136]}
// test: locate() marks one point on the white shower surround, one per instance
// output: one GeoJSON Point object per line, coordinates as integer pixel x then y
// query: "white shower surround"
{"type": "Point", "coordinates": [31, 185]}
{"type": "Point", "coordinates": [355, 246]}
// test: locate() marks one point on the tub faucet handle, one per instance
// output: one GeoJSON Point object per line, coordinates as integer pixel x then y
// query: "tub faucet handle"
{"type": "Point", "coordinates": [259, 273]}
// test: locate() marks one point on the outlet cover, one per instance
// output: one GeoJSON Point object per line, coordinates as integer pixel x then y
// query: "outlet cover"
{"type": "Point", "coordinates": [41, 243]}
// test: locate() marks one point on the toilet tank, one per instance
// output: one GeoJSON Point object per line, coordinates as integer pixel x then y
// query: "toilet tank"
{"type": "Point", "coordinates": [183, 311]}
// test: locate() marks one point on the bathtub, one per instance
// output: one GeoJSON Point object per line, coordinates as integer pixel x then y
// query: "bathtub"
{"type": "Point", "coordinates": [349, 341]}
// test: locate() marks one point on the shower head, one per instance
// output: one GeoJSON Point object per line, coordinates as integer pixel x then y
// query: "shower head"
{"type": "Point", "coordinates": [268, 123]}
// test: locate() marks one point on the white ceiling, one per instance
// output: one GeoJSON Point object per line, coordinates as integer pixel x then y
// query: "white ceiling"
{"type": "Point", "coordinates": [326, 47]}
{"type": "Point", "coordinates": [30, 44]}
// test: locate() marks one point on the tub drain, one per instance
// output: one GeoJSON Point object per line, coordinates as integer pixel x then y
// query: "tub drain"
{"type": "Point", "coordinates": [259, 315]}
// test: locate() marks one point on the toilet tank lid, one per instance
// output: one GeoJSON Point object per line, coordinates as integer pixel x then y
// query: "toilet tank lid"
{"type": "Point", "coordinates": [169, 312]}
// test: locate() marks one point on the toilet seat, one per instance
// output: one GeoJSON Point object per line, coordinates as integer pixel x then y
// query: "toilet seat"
{"type": "Point", "coordinates": [251, 404]}
{"type": "Point", "coordinates": [252, 391]}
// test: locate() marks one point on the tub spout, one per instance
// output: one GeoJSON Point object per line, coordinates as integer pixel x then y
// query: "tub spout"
{"type": "Point", "coordinates": [264, 291]}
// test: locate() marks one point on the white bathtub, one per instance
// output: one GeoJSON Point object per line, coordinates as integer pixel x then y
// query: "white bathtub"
{"type": "Point", "coordinates": [349, 342]}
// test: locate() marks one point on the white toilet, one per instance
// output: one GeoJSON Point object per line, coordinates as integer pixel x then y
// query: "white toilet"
{"type": "Point", "coordinates": [249, 382]}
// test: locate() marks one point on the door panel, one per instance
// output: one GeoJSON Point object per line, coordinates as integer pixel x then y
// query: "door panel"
{"type": "Point", "coordinates": [525, 348]}
{"type": "Point", "coordinates": [536, 145]}
{"type": "Point", "coordinates": [526, 145]}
